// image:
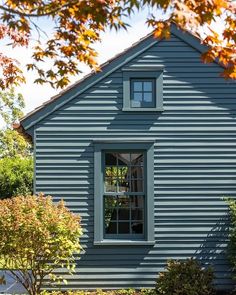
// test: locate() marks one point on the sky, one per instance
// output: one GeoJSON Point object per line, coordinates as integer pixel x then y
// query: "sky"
{"type": "Point", "coordinates": [112, 43]}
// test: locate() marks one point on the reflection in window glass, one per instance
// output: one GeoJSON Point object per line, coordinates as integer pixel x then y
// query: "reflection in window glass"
{"type": "Point", "coordinates": [136, 201]}
{"type": "Point", "coordinates": [136, 185]}
{"type": "Point", "coordinates": [124, 214]}
{"type": "Point", "coordinates": [138, 96]}
{"type": "Point", "coordinates": [123, 159]}
{"type": "Point", "coordinates": [147, 86]}
{"type": "Point", "coordinates": [137, 227]}
{"type": "Point", "coordinates": [123, 209]}
{"type": "Point", "coordinates": [123, 228]}
{"type": "Point", "coordinates": [126, 175]}
{"type": "Point", "coordinates": [142, 93]}
{"type": "Point", "coordinates": [110, 159]}
{"type": "Point", "coordinates": [123, 185]}
{"type": "Point", "coordinates": [147, 97]}
{"type": "Point", "coordinates": [123, 201]}
{"type": "Point", "coordinates": [136, 172]}
{"type": "Point", "coordinates": [111, 184]}
{"type": "Point", "coordinates": [137, 214]}
{"type": "Point", "coordinates": [138, 86]}
{"type": "Point", "coordinates": [137, 159]}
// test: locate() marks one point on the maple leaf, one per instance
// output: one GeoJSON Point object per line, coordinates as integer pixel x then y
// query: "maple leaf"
{"type": "Point", "coordinates": [79, 24]}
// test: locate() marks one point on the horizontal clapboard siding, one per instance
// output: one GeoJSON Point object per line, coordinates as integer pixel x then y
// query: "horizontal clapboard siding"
{"type": "Point", "coordinates": [194, 161]}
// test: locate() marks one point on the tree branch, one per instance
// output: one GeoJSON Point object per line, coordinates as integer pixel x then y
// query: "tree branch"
{"type": "Point", "coordinates": [57, 9]}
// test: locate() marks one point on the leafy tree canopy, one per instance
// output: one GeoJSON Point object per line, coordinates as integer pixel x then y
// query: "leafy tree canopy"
{"type": "Point", "coordinates": [12, 143]}
{"type": "Point", "coordinates": [11, 106]}
{"type": "Point", "coordinates": [16, 176]}
{"type": "Point", "coordinates": [78, 25]}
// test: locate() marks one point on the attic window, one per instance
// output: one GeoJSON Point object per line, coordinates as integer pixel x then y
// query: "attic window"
{"type": "Point", "coordinates": [142, 93]}
{"type": "Point", "coordinates": [142, 89]}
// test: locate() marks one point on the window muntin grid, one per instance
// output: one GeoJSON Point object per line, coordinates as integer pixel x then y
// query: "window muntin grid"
{"type": "Point", "coordinates": [124, 198]}
{"type": "Point", "coordinates": [142, 93]}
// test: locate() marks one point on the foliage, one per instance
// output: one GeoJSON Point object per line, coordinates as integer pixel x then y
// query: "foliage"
{"type": "Point", "coordinates": [78, 25]}
{"type": "Point", "coordinates": [101, 292]}
{"type": "Point", "coordinates": [37, 237]}
{"type": "Point", "coordinates": [232, 234]}
{"type": "Point", "coordinates": [16, 176]}
{"type": "Point", "coordinates": [11, 105]}
{"type": "Point", "coordinates": [12, 143]}
{"type": "Point", "coordinates": [185, 278]}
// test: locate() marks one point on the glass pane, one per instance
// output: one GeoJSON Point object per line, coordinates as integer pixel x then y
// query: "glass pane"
{"type": "Point", "coordinates": [110, 184]}
{"type": "Point", "coordinates": [137, 227]}
{"type": "Point", "coordinates": [123, 228]}
{"type": "Point", "coordinates": [123, 201]}
{"type": "Point", "coordinates": [123, 185]}
{"type": "Point", "coordinates": [137, 96]}
{"type": "Point", "coordinates": [136, 185]}
{"type": "Point", "coordinates": [111, 171]}
{"type": "Point", "coordinates": [123, 159]}
{"type": "Point", "coordinates": [137, 159]}
{"type": "Point", "coordinates": [111, 228]}
{"type": "Point", "coordinates": [136, 172]}
{"type": "Point", "coordinates": [123, 214]}
{"type": "Point", "coordinates": [110, 159]}
{"type": "Point", "coordinates": [147, 96]}
{"type": "Point", "coordinates": [137, 214]}
{"type": "Point", "coordinates": [136, 201]}
{"type": "Point", "coordinates": [135, 104]}
{"type": "Point", "coordinates": [110, 202]}
{"type": "Point", "coordinates": [123, 172]}
{"type": "Point", "coordinates": [110, 215]}
{"type": "Point", "coordinates": [137, 86]}
{"type": "Point", "coordinates": [147, 86]}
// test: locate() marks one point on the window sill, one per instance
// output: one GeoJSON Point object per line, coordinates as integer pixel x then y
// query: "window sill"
{"type": "Point", "coordinates": [123, 242]}
{"type": "Point", "coordinates": [142, 109]}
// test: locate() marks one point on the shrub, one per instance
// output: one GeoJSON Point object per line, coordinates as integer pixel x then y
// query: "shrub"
{"type": "Point", "coordinates": [232, 235]}
{"type": "Point", "coordinates": [37, 237]}
{"type": "Point", "coordinates": [16, 176]}
{"type": "Point", "coordinates": [101, 292]}
{"type": "Point", "coordinates": [185, 278]}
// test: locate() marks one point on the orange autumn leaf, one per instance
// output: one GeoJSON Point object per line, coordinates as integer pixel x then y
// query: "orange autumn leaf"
{"type": "Point", "coordinates": [78, 26]}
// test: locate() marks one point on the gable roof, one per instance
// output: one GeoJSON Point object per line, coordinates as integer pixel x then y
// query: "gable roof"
{"type": "Point", "coordinates": [57, 101]}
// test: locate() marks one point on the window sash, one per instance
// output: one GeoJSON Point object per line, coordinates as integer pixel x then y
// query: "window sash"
{"type": "Point", "coordinates": [128, 193]}
{"type": "Point", "coordinates": [118, 221]}
{"type": "Point", "coordinates": [153, 72]}
{"type": "Point", "coordinates": [147, 147]}
{"type": "Point", "coordinates": [142, 103]}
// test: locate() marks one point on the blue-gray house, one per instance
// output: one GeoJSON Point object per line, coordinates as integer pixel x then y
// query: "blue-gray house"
{"type": "Point", "coordinates": [144, 151]}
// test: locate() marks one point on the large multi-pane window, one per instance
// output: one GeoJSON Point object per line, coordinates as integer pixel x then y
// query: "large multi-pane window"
{"type": "Point", "coordinates": [124, 194]}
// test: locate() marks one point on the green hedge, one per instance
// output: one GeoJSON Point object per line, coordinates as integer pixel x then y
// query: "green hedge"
{"type": "Point", "coordinates": [16, 177]}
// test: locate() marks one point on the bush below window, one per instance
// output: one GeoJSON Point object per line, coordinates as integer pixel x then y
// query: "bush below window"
{"type": "Point", "coordinates": [232, 235]}
{"type": "Point", "coordinates": [185, 278]}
